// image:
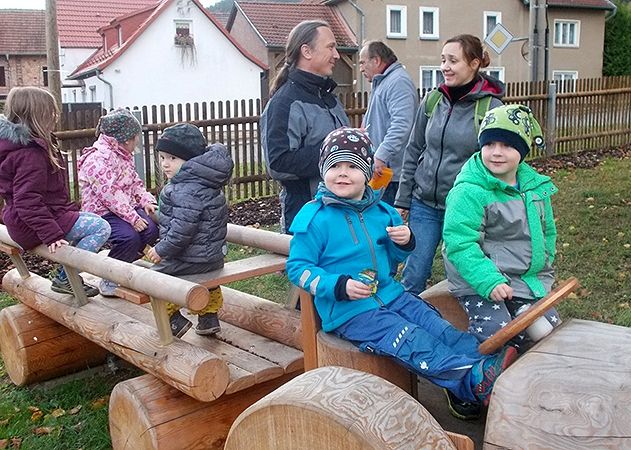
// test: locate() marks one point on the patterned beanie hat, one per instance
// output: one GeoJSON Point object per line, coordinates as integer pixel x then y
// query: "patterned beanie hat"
{"type": "Point", "coordinates": [347, 145]}
{"type": "Point", "coordinates": [514, 125]}
{"type": "Point", "coordinates": [119, 124]}
{"type": "Point", "coordinates": [182, 140]}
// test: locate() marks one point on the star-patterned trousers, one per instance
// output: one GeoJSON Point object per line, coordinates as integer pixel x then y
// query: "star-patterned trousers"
{"type": "Point", "coordinates": [487, 317]}
{"type": "Point", "coordinates": [411, 331]}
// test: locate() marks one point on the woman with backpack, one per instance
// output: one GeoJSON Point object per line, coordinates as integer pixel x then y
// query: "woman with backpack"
{"type": "Point", "coordinates": [443, 138]}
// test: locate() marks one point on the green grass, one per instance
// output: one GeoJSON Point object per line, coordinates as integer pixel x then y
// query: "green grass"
{"type": "Point", "coordinates": [593, 211]}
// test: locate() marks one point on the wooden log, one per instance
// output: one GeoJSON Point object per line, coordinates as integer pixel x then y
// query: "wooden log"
{"type": "Point", "coordinates": [193, 370]}
{"type": "Point", "coordinates": [262, 317]}
{"type": "Point", "coordinates": [145, 413]}
{"type": "Point", "coordinates": [155, 284]}
{"type": "Point", "coordinates": [255, 237]}
{"type": "Point", "coordinates": [439, 296]}
{"type": "Point", "coordinates": [572, 390]}
{"type": "Point", "coordinates": [337, 408]}
{"type": "Point", "coordinates": [333, 351]}
{"type": "Point", "coordinates": [35, 348]}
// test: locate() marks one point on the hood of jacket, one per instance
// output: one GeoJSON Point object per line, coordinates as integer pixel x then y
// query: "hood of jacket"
{"type": "Point", "coordinates": [104, 146]}
{"type": "Point", "coordinates": [484, 86]}
{"type": "Point", "coordinates": [212, 169]}
{"type": "Point", "coordinates": [475, 172]}
{"type": "Point", "coordinates": [13, 135]}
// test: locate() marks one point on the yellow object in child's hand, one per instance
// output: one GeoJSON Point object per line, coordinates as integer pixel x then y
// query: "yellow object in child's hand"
{"type": "Point", "coordinates": [381, 181]}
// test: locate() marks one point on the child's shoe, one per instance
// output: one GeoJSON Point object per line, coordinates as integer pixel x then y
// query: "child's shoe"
{"type": "Point", "coordinates": [62, 285]}
{"type": "Point", "coordinates": [460, 409]}
{"type": "Point", "coordinates": [107, 288]}
{"type": "Point", "coordinates": [179, 324]}
{"type": "Point", "coordinates": [488, 370]}
{"type": "Point", "coordinates": [208, 324]}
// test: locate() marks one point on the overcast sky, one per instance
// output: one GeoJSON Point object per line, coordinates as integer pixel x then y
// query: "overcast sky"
{"type": "Point", "coordinates": [40, 4]}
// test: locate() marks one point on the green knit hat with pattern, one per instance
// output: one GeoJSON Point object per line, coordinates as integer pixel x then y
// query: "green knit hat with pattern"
{"type": "Point", "coordinates": [514, 125]}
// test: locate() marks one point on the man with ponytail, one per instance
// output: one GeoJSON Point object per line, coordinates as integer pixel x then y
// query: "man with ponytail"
{"type": "Point", "coordinates": [301, 112]}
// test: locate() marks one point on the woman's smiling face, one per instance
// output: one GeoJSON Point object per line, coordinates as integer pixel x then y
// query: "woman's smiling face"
{"type": "Point", "coordinates": [456, 70]}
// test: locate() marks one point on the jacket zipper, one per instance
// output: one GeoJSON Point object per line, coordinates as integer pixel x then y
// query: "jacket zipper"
{"type": "Point", "coordinates": [372, 252]}
{"type": "Point", "coordinates": [440, 160]}
{"type": "Point", "coordinates": [352, 230]}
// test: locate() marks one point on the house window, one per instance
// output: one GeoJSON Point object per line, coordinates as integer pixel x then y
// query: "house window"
{"type": "Point", "coordinates": [495, 72]}
{"type": "Point", "coordinates": [491, 18]}
{"type": "Point", "coordinates": [431, 76]}
{"type": "Point", "coordinates": [3, 78]}
{"type": "Point", "coordinates": [565, 80]}
{"type": "Point", "coordinates": [428, 20]}
{"type": "Point", "coordinates": [183, 32]}
{"type": "Point", "coordinates": [566, 33]}
{"type": "Point", "coordinates": [396, 22]}
{"type": "Point", "coordinates": [45, 75]}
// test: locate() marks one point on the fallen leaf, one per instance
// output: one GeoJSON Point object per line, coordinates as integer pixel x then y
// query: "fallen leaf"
{"type": "Point", "coordinates": [75, 410]}
{"type": "Point", "coordinates": [627, 245]}
{"type": "Point", "coordinates": [4, 422]}
{"type": "Point", "coordinates": [16, 442]}
{"type": "Point", "coordinates": [39, 431]}
{"type": "Point", "coordinates": [620, 234]}
{"type": "Point", "coordinates": [4, 443]}
{"type": "Point", "coordinates": [566, 244]}
{"type": "Point", "coordinates": [32, 408]}
{"type": "Point", "coordinates": [100, 402]}
{"type": "Point", "coordinates": [58, 412]}
{"type": "Point", "coordinates": [589, 199]}
{"type": "Point", "coordinates": [36, 415]}
{"type": "Point", "coordinates": [572, 295]}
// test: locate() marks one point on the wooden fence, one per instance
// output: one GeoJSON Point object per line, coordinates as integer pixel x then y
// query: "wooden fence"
{"type": "Point", "coordinates": [588, 114]}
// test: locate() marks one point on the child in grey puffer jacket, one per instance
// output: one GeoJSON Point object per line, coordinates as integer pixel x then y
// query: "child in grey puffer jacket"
{"type": "Point", "coordinates": [193, 216]}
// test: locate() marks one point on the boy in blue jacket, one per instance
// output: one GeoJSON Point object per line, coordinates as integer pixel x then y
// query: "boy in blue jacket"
{"type": "Point", "coordinates": [346, 243]}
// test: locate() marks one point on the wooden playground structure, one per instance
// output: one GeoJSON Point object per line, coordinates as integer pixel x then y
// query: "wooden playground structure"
{"type": "Point", "coordinates": [272, 380]}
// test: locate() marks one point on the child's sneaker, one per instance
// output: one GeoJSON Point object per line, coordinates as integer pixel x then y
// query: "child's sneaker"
{"type": "Point", "coordinates": [460, 409]}
{"type": "Point", "coordinates": [208, 324]}
{"type": "Point", "coordinates": [488, 370]}
{"type": "Point", "coordinates": [107, 288]}
{"type": "Point", "coordinates": [62, 285]}
{"type": "Point", "coordinates": [179, 324]}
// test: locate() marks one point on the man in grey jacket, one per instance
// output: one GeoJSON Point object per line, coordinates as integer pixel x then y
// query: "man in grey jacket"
{"type": "Point", "coordinates": [391, 109]}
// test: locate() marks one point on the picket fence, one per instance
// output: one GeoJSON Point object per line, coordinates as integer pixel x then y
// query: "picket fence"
{"type": "Point", "coordinates": [577, 115]}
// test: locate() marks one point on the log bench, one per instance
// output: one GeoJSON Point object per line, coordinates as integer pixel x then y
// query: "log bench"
{"type": "Point", "coordinates": [195, 380]}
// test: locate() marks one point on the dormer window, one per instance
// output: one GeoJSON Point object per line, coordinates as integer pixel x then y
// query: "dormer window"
{"type": "Point", "coordinates": [183, 32]}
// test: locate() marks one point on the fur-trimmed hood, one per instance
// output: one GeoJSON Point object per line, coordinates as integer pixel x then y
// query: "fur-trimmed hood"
{"type": "Point", "coordinates": [13, 133]}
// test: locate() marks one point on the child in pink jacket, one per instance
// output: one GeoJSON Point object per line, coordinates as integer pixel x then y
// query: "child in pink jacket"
{"type": "Point", "coordinates": [111, 188]}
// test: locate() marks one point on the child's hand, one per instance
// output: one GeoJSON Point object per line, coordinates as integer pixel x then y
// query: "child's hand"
{"type": "Point", "coordinates": [57, 244]}
{"type": "Point", "coordinates": [150, 209]}
{"type": "Point", "coordinates": [400, 235]}
{"type": "Point", "coordinates": [140, 224]}
{"type": "Point", "coordinates": [153, 255]}
{"type": "Point", "coordinates": [501, 292]}
{"type": "Point", "coordinates": [356, 289]}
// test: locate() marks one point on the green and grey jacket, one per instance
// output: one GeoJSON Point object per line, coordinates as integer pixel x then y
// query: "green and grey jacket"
{"type": "Point", "coordinates": [495, 233]}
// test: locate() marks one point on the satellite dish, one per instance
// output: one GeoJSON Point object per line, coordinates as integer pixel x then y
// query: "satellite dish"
{"type": "Point", "coordinates": [525, 49]}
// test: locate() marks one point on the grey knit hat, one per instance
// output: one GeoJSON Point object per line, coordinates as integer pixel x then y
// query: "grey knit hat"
{"type": "Point", "coordinates": [347, 145]}
{"type": "Point", "coordinates": [119, 124]}
{"type": "Point", "coordinates": [182, 140]}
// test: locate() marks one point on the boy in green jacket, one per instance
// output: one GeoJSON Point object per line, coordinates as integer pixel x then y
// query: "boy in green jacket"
{"type": "Point", "coordinates": [499, 233]}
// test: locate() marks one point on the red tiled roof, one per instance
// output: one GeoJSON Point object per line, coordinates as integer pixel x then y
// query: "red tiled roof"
{"type": "Point", "coordinates": [274, 21]}
{"type": "Point", "coordinates": [22, 31]}
{"type": "Point", "coordinates": [78, 20]}
{"type": "Point", "coordinates": [594, 4]}
{"type": "Point", "coordinates": [101, 58]}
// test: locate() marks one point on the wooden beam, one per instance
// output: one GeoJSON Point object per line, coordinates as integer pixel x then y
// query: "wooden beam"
{"type": "Point", "coordinates": [255, 237]}
{"type": "Point", "coordinates": [310, 322]}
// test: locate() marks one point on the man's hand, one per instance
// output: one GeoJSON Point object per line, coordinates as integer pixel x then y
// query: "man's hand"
{"type": "Point", "coordinates": [57, 244]}
{"type": "Point", "coordinates": [140, 224]}
{"type": "Point", "coordinates": [400, 234]}
{"type": "Point", "coordinates": [153, 255]}
{"type": "Point", "coordinates": [501, 292]}
{"type": "Point", "coordinates": [356, 289]}
{"type": "Point", "coordinates": [379, 166]}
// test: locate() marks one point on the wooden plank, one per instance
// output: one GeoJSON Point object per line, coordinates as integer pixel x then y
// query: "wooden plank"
{"type": "Point", "coordinates": [9, 249]}
{"type": "Point", "coordinates": [573, 401]}
{"type": "Point", "coordinates": [132, 296]}
{"type": "Point", "coordinates": [310, 325]}
{"type": "Point", "coordinates": [241, 269]}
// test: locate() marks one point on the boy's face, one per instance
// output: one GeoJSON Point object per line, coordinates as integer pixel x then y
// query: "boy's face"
{"type": "Point", "coordinates": [170, 164]}
{"type": "Point", "coordinates": [502, 160]}
{"type": "Point", "coordinates": [345, 180]}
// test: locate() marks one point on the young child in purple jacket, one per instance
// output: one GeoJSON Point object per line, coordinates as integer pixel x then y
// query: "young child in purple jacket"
{"type": "Point", "coordinates": [33, 183]}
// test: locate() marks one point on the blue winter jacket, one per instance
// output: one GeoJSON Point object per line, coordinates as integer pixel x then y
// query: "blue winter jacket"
{"type": "Point", "coordinates": [390, 115]}
{"type": "Point", "coordinates": [333, 239]}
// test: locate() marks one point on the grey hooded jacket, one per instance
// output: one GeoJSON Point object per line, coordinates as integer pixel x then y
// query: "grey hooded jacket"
{"type": "Point", "coordinates": [441, 144]}
{"type": "Point", "coordinates": [194, 214]}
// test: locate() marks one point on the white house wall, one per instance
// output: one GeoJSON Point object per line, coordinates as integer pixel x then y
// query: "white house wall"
{"type": "Point", "coordinates": [151, 70]}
